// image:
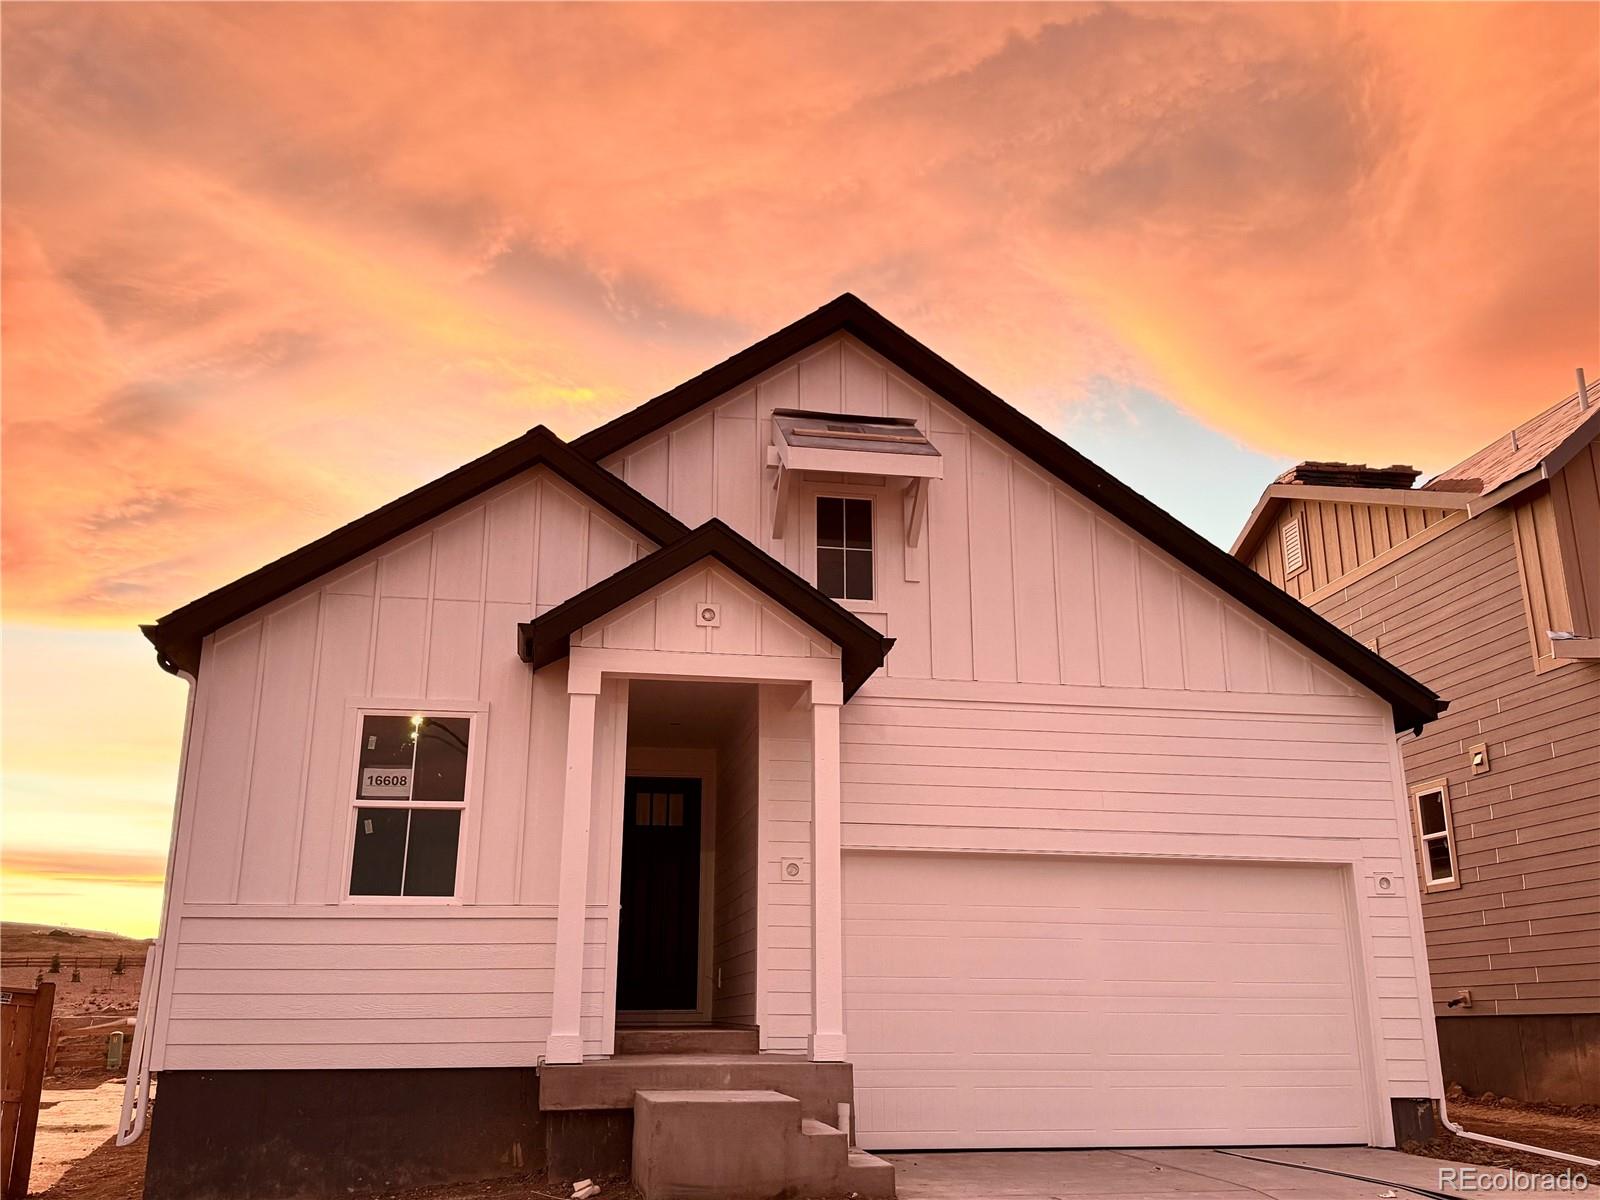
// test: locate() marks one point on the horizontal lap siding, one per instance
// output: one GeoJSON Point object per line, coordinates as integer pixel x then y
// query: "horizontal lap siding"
{"type": "Point", "coordinates": [428, 618]}
{"type": "Point", "coordinates": [1336, 539]}
{"type": "Point", "coordinates": [306, 991]}
{"type": "Point", "coordinates": [1003, 776]}
{"type": "Point", "coordinates": [1523, 930]}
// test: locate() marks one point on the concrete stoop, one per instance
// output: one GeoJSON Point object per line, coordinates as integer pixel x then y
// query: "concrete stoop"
{"type": "Point", "coordinates": [724, 1144]}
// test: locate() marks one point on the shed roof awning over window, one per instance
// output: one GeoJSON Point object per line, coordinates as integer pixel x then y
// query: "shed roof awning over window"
{"type": "Point", "coordinates": [854, 445]}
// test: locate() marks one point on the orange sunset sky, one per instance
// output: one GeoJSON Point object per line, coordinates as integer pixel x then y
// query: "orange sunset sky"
{"type": "Point", "coordinates": [268, 266]}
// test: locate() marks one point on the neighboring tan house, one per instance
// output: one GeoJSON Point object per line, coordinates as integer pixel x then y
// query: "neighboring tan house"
{"type": "Point", "coordinates": [822, 744]}
{"type": "Point", "coordinates": [1485, 584]}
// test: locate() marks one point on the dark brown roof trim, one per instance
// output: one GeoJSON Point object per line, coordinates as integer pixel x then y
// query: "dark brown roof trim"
{"type": "Point", "coordinates": [177, 636]}
{"type": "Point", "coordinates": [546, 639]}
{"type": "Point", "coordinates": [1414, 705]}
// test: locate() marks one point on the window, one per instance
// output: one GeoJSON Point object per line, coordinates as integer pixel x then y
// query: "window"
{"type": "Point", "coordinates": [1294, 551]}
{"type": "Point", "coordinates": [844, 547]}
{"type": "Point", "coordinates": [411, 789]}
{"type": "Point", "coordinates": [1438, 838]}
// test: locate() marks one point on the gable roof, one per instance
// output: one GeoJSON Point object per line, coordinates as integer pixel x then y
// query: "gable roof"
{"type": "Point", "coordinates": [1533, 451]}
{"type": "Point", "coordinates": [1412, 703]}
{"type": "Point", "coordinates": [546, 638]}
{"type": "Point", "coordinates": [1532, 444]}
{"type": "Point", "coordinates": [177, 636]}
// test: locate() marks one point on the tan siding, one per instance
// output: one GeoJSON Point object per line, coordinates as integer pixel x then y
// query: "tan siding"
{"type": "Point", "coordinates": [1575, 493]}
{"type": "Point", "coordinates": [1543, 573]}
{"type": "Point", "coordinates": [1523, 930]}
{"type": "Point", "coordinates": [1337, 539]}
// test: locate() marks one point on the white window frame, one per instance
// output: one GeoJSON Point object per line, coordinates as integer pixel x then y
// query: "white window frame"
{"type": "Point", "coordinates": [845, 491]}
{"type": "Point", "coordinates": [466, 843]}
{"type": "Point", "coordinates": [1430, 884]}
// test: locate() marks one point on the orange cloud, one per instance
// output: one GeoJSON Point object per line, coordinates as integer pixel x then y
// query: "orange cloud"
{"type": "Point", "coordinates": [267, 265]}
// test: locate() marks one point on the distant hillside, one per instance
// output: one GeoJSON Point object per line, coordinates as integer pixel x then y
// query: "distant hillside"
{"type": "Point", "coordinates": [18, 940]}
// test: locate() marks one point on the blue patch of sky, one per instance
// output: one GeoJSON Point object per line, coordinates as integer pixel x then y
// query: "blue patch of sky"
{"type": "Point", "coordinates": [1200, 475]}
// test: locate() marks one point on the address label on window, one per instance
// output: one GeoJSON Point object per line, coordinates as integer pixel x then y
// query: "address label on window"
{"type": "Point", "coordinates": [385, 781]}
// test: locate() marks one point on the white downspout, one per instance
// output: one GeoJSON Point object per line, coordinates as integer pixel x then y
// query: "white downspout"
{"type": "Point", "coordinates": [1444, 1115]}
{"type": "Point", "coordinates": [136, 1089]}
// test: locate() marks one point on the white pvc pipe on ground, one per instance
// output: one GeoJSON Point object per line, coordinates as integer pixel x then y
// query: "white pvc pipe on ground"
{"type": "Point", "coordinates": [1444, 1115]}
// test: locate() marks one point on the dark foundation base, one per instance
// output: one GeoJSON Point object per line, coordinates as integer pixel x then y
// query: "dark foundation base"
{"type": "Point", "coordinates": [273, 1135]}
{"type": "Point", "coordinates": [1553, 1058]}
{"type": "Point", "coordinates": [1414, 1120]}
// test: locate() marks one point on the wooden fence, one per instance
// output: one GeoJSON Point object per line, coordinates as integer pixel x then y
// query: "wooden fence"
{"type": "Point", "coordinates": [24, 1041]}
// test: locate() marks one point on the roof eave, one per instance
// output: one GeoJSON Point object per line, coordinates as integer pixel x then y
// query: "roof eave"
{"type": "Point", "coordinates": [547, 638]}
{"type": "Point", "coordinates": [178, 636]}
{"type": "Point", "coordinates": [848, 314]}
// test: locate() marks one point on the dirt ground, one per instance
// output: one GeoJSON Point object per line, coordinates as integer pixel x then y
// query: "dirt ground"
{"type": "Point", "coordinates": [97, 990]}
{"type": "Point", "coordinates": [76, 1158]}
{"type": "Point", "coordinates": [1572, 1129]}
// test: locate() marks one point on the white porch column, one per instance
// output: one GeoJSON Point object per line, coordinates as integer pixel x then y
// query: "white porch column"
{"type": "Point", "coordinates": [827, 903]}
{"type": "Point", "coordinates": [565, 1044]}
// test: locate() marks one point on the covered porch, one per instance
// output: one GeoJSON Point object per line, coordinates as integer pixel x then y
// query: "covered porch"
{"type": "Point", "coordinates": [700, 866]}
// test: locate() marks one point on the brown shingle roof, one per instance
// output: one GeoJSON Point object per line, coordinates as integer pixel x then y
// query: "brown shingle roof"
{"type": "Point", "coordinates": [1503, 459]}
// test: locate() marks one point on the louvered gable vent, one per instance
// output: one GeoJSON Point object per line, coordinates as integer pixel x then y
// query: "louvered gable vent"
{"type": "Point", "coordinates": [1294, 555]}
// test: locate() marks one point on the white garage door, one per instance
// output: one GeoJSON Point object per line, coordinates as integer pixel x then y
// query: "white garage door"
{"type": "Point", "coordinates": [1009, 1001]}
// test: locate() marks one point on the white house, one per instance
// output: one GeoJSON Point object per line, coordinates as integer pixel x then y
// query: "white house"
{"type": "Point", "coordinates": [821, 743]}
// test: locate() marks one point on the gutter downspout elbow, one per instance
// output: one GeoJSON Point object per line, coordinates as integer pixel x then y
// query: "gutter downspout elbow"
{"type": "Point", "coordinates": [1444, 1115]}
{"type": "Point", "coordinates": [136, 1088]}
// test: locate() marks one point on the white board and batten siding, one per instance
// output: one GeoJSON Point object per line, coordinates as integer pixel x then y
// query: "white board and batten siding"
{"type": "Point", "coordinates": [265, 966]}
{"type": "Point", "coordinates": [1061, 687]}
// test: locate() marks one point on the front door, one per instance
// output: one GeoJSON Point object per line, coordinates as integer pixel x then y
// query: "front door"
{"type": "Point", "coordinates": [658, 956]}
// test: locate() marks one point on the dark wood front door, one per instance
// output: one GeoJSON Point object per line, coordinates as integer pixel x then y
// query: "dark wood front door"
{"type": "Point", "coordinates": [658, 956]}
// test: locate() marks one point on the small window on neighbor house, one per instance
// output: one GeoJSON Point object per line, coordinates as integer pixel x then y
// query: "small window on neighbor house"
{"type": "Point", "coordinates": [411, 789]}
{"type": "Point", "coordinates": [844, 547]}
{"type": "Point", "coordinates": [1438, 838]}
{"type": "Point", "coordinates": [1294, 551]}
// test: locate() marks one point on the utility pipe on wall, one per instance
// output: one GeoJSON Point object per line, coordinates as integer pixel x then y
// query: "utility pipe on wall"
{"type": "Point", "coordinates": [136, 1089]}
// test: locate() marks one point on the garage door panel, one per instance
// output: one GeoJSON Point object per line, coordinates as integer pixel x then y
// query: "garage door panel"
{"type": "Point", "coordinates": [1223, 1013]}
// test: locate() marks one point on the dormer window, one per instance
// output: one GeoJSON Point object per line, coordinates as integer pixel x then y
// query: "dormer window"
{"type": "Point", "coordinates": [844, 547]}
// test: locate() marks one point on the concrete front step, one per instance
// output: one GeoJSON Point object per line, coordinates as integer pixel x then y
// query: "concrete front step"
{"type": "Point", "coordinates": [689, 1039]}
{"type": "Point", "coordinates": [610, 1083]}
{"type": "Point", "coordinates": [744, 1144]}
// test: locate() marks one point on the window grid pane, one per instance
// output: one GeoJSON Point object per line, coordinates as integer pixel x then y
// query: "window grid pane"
{"type": "Point", "coordinates": [413, 768]}
{"type": "Point", "coordinates": [1439, 865]}
{"type": "Point", "coordinates": [431, 852]}
{"type": "Point", "coordinates": [858, 524]}
{"type": "Point", "coordinates": [844, 547]}
{"type": "Point", "coordinates": [1430, 810]}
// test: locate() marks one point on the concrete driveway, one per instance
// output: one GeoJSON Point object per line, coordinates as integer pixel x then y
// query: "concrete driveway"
{"type": "Point", "coordinates": [1166, 1174]}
